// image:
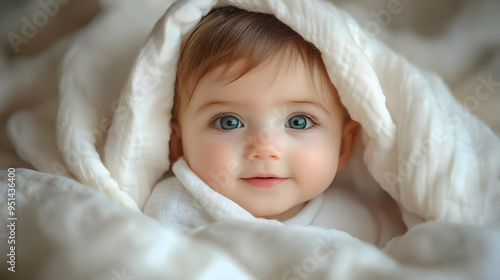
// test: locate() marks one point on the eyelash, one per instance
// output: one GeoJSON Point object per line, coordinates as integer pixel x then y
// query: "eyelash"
{"type": "Point", "coordinates": [311, 118]}
{"type": "Point", "coordinates": [216, 117]}
{"type": "Point", "coordinates": [211, 122]}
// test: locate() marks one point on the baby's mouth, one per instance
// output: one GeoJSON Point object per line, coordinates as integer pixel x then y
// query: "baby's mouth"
{"type": "Point", "coordinates": [264, 182]}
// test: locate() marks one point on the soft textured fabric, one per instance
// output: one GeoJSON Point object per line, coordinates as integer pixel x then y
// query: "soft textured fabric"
{"type": "Point", "coordinates": [185, 201]}
{"type": "Point", "coordinates": [341, 208]}
{"type": "Point", "coordinates": [189, 203]}
{"type": "Point", "coordinates": [66, 230]}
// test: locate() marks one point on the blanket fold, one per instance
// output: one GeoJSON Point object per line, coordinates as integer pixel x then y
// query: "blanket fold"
{"type": "Point", "coordinates": [79, 233]}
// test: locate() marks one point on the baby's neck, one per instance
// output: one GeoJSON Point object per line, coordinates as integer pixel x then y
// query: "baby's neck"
{"type": "Point", "coordinates": [287, 214]}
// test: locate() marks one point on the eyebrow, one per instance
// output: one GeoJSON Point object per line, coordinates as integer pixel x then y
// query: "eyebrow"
{"type": "Point", "coordinates": [310, 102]}
{"type": "Point", "coordinates": [218, 103]}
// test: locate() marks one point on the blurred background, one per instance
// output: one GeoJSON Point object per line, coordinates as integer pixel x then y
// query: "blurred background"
{"type": "Point", "coordinates": [424, 17]}
{"type": "Point", "coordinates": [410, 27]}
{"type": "Point", "coordinates": [67, 18]}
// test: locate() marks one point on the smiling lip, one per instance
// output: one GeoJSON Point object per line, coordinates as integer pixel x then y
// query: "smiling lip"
{"type": "Point", "coordinates": [264, 182]}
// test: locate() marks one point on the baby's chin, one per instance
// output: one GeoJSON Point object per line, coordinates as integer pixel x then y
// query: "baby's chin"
{"type": "Point", "coordinates": [275, 213]}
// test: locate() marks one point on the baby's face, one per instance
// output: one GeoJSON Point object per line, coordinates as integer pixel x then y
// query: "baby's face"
{"type": "Point", "coordinates": [268, 141]}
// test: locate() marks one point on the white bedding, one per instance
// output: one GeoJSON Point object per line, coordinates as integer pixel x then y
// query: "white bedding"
{"type": "Point", "coordinates": [66, 230]}
{"type": "Point", "coordinates": [182, 200]}
{"type": "Point", "coordinates": [110, 132]}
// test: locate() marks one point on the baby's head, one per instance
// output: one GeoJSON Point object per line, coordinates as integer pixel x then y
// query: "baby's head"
{"type": "Point", "coordinates": [255, 115]}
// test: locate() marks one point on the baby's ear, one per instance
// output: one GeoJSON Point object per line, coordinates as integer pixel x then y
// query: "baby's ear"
{"type": "Point", "coordinates": [175, 143]}
{"type": "Point", "coordinates": [349, 136]}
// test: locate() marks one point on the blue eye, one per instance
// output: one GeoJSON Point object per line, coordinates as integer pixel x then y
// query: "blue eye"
{"type": "Point", "coordinates": [228, 122]}
{"type": "Point", "coordinates": [298, 122]}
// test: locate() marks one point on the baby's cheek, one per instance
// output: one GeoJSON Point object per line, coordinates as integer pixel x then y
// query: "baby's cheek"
{"type": "Point", "coordinates": [315, 168]}
{"type": "Point", "coordinates": [214, 164]}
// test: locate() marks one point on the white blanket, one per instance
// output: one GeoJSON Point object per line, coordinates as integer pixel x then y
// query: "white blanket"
{"type": "Point", "coordinates": [66, 230]}
{"type": "Point", "coordinates": [110, 132]}
{"type": "Point", "coordinates": [182, 200]}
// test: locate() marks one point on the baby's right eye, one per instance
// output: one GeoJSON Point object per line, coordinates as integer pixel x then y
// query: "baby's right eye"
{"type": "Point", "coordinates": [228, 123]}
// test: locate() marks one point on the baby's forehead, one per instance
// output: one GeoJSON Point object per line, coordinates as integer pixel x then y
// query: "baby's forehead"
{"type": "Point", "coordinates": [284, 61]}
{"type": "Point", "coordinates": [286, 80]}
{"type": "Point", "coordinates": [287, 66]}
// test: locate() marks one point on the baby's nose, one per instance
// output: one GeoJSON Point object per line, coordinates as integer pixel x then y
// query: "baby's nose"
{"type": "Point", "coordinates": [262, 152]}
{"type": "Point", "coordinates": [265, 146]}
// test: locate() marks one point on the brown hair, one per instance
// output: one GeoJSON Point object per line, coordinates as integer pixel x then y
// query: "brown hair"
{"type": "Point", "coordinates": [227, 35]}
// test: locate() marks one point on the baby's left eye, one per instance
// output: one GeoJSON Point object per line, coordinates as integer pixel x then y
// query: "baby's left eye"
{"type": "Point", "coordinates": [228, 123]}
{"type": "Point", "coordinates": [298, 122]}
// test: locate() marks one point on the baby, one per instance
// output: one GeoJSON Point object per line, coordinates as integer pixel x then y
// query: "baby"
{"type": "Point", "coordinates": [258, 120]}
